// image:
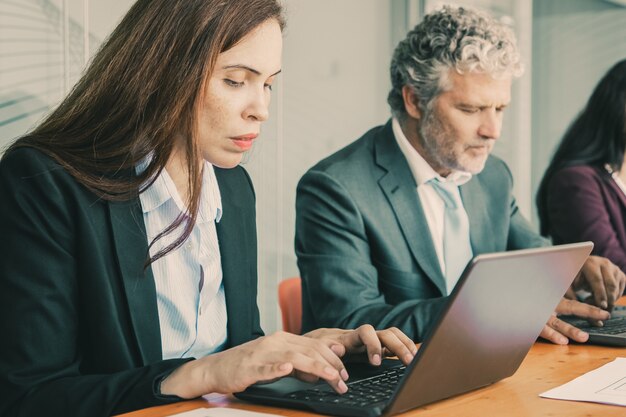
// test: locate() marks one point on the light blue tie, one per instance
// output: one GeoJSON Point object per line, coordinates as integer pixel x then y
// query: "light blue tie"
{"type": "Point", "coordinates": [457, 249]}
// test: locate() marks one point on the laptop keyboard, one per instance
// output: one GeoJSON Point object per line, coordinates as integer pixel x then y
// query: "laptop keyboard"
{"type": "Point", "coordinates": [612, 326]}
{"type": "Point", "coordinates": [361, 393]}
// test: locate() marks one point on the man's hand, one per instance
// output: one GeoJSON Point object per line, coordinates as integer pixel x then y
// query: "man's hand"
{"type": "Point", "coordinates": [603, 279]}
{"type": "Point", "coordinates": [376, 343]}
{"type": "Point", "coordinates": [559, 332]}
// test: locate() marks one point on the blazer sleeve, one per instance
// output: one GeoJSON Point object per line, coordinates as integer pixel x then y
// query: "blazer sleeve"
{"type": "Point", "coordinates": [340, 282]}
{"type": "Point", "coordinates": [40, 356]}
{"type": "Point", "coordinates": [521, 234]}
{"type": "Point", "coordinates": [577, 212]}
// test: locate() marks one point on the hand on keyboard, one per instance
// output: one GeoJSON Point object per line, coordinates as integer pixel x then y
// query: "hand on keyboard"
{"type": "Point", "coordinates": [559, 332]}
{"type": "Point", "coordinates": [375, 343]}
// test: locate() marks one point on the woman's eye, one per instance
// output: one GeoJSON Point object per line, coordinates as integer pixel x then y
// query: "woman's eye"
{"type": "Point", "coordinates": [233, 83]}
{"type": "Point", "coordinates": [268, 86]}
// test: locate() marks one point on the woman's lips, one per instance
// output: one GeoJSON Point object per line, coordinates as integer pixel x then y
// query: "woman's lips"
{"type": "Point", "coordinates": [244, 142]}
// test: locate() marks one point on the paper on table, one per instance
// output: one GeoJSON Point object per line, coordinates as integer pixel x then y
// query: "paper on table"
{"type": "Point", "coordinates": [221, 412]}
{"type": "Point", "coordinates": [606, 385]}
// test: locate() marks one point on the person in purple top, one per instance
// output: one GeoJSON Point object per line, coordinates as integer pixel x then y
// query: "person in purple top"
{"type": "Point", "coordinates": [582, 195]}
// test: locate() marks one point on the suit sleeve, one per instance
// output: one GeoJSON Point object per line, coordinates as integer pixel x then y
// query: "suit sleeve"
{"type": "Point", "coordinates": [340, 282]}
{"type": "Point", "coordinates": [522, 235]}
{"type": "Point", "coordinates": [577, 212]}
{"type": "Point", "coordinates": [40, 356]}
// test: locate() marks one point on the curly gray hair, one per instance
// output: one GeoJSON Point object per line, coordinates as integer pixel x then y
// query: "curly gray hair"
{"type": "Point", "coordinates": [458, 38]}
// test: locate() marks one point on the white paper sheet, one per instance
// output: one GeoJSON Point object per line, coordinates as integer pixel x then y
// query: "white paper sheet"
{"type": "Point", "coordinates": [221, 412]}
{"type": "Point", "coordinates": [606, 385]}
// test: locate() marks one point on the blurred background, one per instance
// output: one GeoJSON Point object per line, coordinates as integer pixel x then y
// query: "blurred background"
{"type": "Point", "coordinates": [333, 88]}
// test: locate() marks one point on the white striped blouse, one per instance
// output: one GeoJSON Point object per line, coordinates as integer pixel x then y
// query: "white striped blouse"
{"type": "Point", "coordinates": [190, 293]}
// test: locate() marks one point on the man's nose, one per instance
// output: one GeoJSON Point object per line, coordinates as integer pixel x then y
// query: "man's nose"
{"type": "Point", "coordinates": [491, 125]}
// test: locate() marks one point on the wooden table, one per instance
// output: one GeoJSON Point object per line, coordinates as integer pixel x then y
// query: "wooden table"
{"type": "Point", "coordinates": [545, 367]}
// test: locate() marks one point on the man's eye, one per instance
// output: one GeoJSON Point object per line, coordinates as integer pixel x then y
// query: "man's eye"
{"type": "Point", "coordinates": [469, 110]}
{"type": "Point", "coordinates": [233, 83]}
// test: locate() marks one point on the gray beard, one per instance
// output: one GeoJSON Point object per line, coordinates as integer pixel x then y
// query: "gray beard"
{"type": "Point", "coordinates": [430, 129]}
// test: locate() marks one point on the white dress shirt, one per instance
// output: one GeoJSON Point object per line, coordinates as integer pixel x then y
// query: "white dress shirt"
{"type": "Point", "coordinates": [432, 203]}
{"type": "Point", "coordinates": [190, 293]}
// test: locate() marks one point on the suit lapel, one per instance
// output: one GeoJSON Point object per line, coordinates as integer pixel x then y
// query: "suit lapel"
{"type": "Point", "coordinates": [400, 189]}
{"type": "Point", "coordinates": [235, 247]}
{"type": "Point", "coordinates": [131, 246]}
{"type": "Point", "coordinates": [472, 194]}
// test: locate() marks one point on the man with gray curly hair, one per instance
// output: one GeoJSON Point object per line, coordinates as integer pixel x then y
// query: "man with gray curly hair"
{"type": "Point", "coordinates": [450, 49]}
{"type": "Point", "coordinates": [452, 39]}
{"type": "Point", "coordinates": [385, 226]}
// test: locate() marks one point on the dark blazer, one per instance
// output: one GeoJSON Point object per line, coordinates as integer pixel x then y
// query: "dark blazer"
{"type": "Point", "coordinates": [80, 324]}
{"type": "Point", "coordinates": [364, 247]}
{"type": "Point", "coordinates": [584, 203]}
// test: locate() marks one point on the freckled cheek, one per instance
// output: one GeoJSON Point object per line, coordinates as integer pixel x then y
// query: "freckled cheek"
{"type": "Point", "coordinates": [214, 117]}
{"type": "Point", "coordinates": [210, 125]}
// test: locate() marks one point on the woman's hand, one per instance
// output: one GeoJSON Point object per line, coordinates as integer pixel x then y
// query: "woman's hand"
{"type": "Point", "coordinates": [603, 279]}
{"type": "Point", "coordinates": [316, 355]}
{"type": "Point", "coordinates": [264, 359]}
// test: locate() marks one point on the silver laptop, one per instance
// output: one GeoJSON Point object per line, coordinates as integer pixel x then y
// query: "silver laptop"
{"type": "Point", "coordinates": [490, 322]}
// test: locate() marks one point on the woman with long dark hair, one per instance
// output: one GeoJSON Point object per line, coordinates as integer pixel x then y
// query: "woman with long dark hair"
{"type": "Point", "coordinates": [582, 195]}
{"type": "Point", "coordinates": [128, 238]}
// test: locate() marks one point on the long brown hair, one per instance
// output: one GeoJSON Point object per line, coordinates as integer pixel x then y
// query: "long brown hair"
{"type": "Point", "coordinates": [143, 89]}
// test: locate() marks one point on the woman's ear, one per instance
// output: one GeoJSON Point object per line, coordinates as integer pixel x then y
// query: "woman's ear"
{"type": "Point", "coordinates": [411, 102]}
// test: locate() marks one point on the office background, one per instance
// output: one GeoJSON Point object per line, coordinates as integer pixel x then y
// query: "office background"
{"type": "Point", "coordinates": [333, 87]}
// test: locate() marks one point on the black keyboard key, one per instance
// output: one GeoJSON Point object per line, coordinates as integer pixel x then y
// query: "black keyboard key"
{"type": "Point", "coordinates": [363, 393]}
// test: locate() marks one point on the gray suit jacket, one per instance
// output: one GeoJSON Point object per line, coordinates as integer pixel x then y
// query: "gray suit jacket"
{"type": "Point", "coordinates": [364, 247]}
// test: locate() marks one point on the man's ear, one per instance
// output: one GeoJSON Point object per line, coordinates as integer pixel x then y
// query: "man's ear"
{"type": "Point", "coordinates": [411, 102]}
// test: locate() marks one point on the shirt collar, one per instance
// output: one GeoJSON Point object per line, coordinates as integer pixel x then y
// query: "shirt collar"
{"type": "Point", "coordinates": [422, 171]}
{"type": "Point", "coordinates": [163, 190]}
